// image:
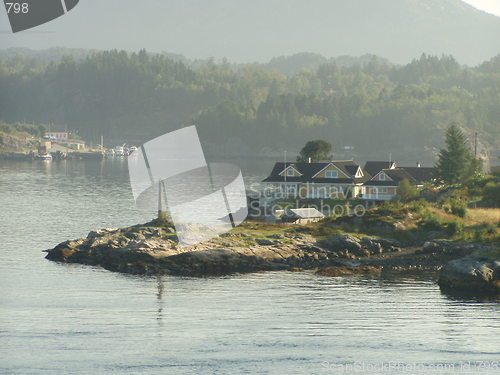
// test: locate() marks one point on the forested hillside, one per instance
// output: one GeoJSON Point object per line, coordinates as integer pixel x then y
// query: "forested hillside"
{"type": "Point", "coordinates": [255, 110]}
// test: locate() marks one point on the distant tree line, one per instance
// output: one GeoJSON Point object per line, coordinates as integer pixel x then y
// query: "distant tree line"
{"type": "Point", "coordinates": [255, 109]}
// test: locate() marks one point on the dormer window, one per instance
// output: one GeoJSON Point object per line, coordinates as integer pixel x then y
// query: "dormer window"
{"type": "Point", "coordinates": [290, 171]}
{"type": "Point", "coordinates": [382, 177]}
{"type": "Point", "coordinates": [331, 174]}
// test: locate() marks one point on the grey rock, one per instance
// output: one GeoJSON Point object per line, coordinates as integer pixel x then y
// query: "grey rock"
{"type": "Point", "coordinates": [470, 275]}
{"type": "Point", "coordinates": [430, 247]}
{"type": "Point", "coordinates": [264, 242]}
{"type": "Point", "coordinates": [100, 233]}
{"type": "Point", "coordinates": [278, 236]}
{"type": "Point", "coordinates": [344, 241]}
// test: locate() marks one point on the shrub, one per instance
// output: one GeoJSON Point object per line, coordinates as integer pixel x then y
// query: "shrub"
{"type": "Point", "coordinates": [491, 230]}
{"type": "Point", "coordinates": [480, 235]}
{"type": "Point", "coordinates": [458, 208]}
{"type": "Point", "coordinates": [454, 227]}
{"type": "Point", "coordinates": [431, 222]}
{"type": "Point", "coordinates": [420, 207]}
{"type": "Point", "coordinates": [406, 190]}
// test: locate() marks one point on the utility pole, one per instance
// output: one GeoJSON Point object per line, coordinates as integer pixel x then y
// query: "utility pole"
{"type": "Point", "coordinates": [475, 145]}
{"type": "Point", "coordinates": [284, 187]}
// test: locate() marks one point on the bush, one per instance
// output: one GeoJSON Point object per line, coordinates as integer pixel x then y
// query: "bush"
{"type": "Point", "coordinates": [454, 227]}
{"type": "Point", "coordinates": [458, 208]}
{"type": "Point", "coordinates": [406, 190]}
{"type": "Point", "coordinates": [420, 207]}
{"type": "Point", "coordinates": [491, 230]}
{"type": "Point", "coordinates": [480, 235]}
{"type": "Point", "coordinates": [431, 222]}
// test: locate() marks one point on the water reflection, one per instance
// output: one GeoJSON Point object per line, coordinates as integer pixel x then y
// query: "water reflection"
{"type": "Point", "coordinates": [159, 298]}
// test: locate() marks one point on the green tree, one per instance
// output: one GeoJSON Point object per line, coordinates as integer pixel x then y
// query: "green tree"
{"type": "Point", "coordinates": [406, 190]}
{"type": "Point", "coordinates": [316, 150]}
{"type": "Point", "coordinates": [455, 164]}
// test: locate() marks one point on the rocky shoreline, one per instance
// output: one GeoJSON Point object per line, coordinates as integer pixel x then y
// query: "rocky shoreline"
{"type": "Point", "coordinates": [151, 250]}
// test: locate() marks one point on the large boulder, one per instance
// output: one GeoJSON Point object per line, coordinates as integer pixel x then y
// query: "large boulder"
{"type": "Point", "coordinates": [344, 241]}
{"type": "Point", "coordinates": [471, 275]}
{"type": "Point", "coordinates": [361, 247]}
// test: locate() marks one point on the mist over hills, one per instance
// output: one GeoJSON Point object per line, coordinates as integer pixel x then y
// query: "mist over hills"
{"type": "Point", "coordinates": [259, 30]}
{"type": "Point", "coordinates": [254, 111]}
{"type": "Point", "coordinates": [350, 72]}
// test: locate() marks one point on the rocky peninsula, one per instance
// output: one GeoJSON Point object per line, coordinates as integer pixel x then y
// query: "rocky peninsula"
{"type": "Point", "coordinates": [153, 250]}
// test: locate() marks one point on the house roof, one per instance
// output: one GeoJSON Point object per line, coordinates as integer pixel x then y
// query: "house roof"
{"type": "Point", "coordinates": [373, 167]}
{"type": "Point", "coordinates": [396, 175]}
{"type": "Point", "coordinates": [420, 174]}
{"type": "Point", "coordinates": [308, 170]}
{"type": "Point", "coordinates": [303, 213]}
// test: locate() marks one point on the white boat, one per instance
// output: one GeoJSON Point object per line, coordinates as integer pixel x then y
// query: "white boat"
{"type": "Point", "coordinates": [120, 151]}
{"type": "Point", "coordinates": [45, 156]}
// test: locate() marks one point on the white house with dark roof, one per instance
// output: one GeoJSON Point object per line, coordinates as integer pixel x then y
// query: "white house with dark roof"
{"type": "Point", "coordinates": [384, 185]}
{"type": "Point", "coordinates": [343, 179]}
{"type": "Point", "coordinates": [338, 179]}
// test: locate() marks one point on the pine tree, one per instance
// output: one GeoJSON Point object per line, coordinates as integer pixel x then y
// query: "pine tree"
{"type": "Point", "coordinates": [455, 164]}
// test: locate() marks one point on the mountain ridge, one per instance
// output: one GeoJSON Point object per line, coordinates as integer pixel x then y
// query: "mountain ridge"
{"type": "Point", "coordinates": [397, 30]}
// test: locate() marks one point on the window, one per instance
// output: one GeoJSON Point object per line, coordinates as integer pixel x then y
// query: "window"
{"type": "Point", "coordinates": [331, 174]}
{"type": "Point", "coordinates": [290, 172]}
{"type": "Point", "coordinates": [359, 173]}
{"type": "Point", "coordinates": [289, 189]}
{"type": "Point", "coordinates": [381, 177]}
{"type": "Point", "coordinates": [381, 190]}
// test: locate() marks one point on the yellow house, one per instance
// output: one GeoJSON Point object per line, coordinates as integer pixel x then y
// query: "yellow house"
{"type": "Point", "coordinates": [338, 179]}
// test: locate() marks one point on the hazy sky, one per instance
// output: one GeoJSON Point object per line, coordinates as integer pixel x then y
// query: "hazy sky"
{"type": "Point", "coordinates": [204, 28]}
{"type": "Point", "coordinates": [490, 6]}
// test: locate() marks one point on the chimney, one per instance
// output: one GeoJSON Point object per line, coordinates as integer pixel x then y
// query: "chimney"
{"type": "Point", "coordinates": [418, 164]}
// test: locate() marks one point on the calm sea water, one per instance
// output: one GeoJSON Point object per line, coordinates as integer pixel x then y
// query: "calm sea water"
{"type": "Point", "coordinates": [71, 319]}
